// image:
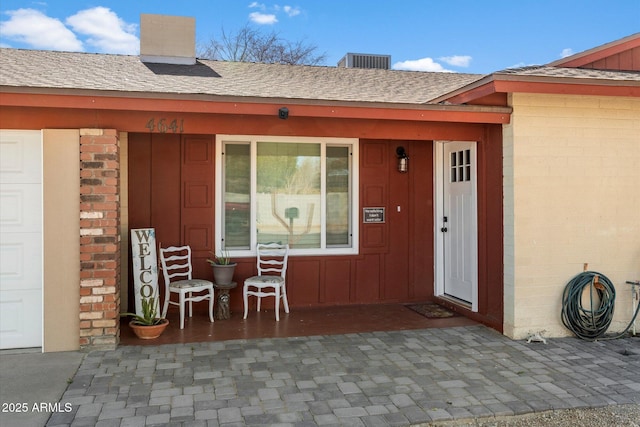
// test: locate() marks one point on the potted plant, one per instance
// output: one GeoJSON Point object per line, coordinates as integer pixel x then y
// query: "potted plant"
{"type": "Point", "coordinates": [223, 268]}
{"type": "Point", "coordinates": [148, 325]}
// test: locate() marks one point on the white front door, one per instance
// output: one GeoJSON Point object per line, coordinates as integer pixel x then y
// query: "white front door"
{"type": "Point", "coordinates": [457, 223]}
{"type": "Point", "coordinates": [20, 239]}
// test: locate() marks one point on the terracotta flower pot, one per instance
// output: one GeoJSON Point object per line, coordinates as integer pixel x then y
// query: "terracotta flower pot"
{"type": "Point", "coordinates": [146, 332]}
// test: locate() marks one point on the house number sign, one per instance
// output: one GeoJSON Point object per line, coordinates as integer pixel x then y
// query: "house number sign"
{"type": "Point", "coordinates": [145, 265]}
{"type": "Point", "coordinates": [165, 125]}
{"type": "Point", "coordinates": [370, 215]}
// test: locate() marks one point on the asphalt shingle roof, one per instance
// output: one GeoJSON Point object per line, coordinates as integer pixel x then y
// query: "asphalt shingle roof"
{"type": "Point", "coordinates": [121, 73]}
{"type": "Point", "coordinates": [574, 73]}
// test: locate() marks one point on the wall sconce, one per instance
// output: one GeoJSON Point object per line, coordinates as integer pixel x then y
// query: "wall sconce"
{"type": "Point", "coordinates": [403, 160]}
{"type": "Point", "coordinates": [283, 113]}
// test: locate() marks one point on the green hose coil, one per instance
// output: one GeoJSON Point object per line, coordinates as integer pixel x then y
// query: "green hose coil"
{"type": "Point", "coordinates": [588, 323]}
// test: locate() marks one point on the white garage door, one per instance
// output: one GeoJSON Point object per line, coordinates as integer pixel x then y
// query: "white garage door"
{"type": "Point", "coordinates": [20, 239]}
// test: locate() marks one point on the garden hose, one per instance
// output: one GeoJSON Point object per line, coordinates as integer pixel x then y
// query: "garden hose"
{"type": "Point", "coordinates": [590, 323]}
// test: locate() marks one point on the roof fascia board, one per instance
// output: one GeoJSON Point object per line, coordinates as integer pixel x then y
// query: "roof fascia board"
{"type": "Point", "coordinates": [507, 83]}
{"type": "Point", "coordinates": [469, 94]}
{"type": "Point", "coordinates": [483, 85]}
{"type": "Point", "coordinates": [262, 107]}
{"type": "Point", "coordinates": [566, 86]}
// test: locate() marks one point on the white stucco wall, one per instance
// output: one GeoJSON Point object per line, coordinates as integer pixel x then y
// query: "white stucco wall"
{"type": "Point", "coordinates": [572, 196]}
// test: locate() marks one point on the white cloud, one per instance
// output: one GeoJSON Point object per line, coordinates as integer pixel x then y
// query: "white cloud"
{"type": "Point", "coordinates": [105, 30]}
{"type": "Point", "coordinates": [291, 11]}
{"type": "Point", "coordinates": [263, 18]}
{"type": "Point", "coordinates": [566, 52]}
{"type": "Point", "coordinates": [456, 60]}
{"type": "Point", "coordinates": [39, 31]}
{"type": "Point", "coordinates": [98, 27]}
{"type": "Point", "coordinates": [423, 64]}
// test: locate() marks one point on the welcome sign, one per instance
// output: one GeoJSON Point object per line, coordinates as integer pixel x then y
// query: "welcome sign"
{"type": "Point", "coordinates": [145, 266]}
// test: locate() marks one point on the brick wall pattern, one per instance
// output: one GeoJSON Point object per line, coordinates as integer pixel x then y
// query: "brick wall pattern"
{"type": "Point", "coordinates": [99, 238]}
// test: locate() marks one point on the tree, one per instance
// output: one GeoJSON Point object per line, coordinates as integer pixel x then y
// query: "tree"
{"type": "Point", "coordinates": [250, 45]}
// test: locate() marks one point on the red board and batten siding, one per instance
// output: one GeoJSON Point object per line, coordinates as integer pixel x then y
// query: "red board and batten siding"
{"type": "Point", "coordinates": [171, 188]}
{"type": "Point", "coordinates": [627, 59]}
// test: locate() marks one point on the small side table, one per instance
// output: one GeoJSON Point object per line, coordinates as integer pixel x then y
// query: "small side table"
{"type": "Point", "coordinates": [223, 312]}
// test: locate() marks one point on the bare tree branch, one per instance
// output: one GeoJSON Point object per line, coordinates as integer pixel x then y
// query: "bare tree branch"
{"type": "Point", "coordinates": [249, 45]}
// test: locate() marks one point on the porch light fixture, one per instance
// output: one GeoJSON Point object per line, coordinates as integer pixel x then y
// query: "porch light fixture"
{"type": "Point", "coordinates": [403, 160]}
{"type": "Point", "coordinates": [283, 113]}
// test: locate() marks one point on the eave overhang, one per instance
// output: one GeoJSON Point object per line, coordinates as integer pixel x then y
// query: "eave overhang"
{"type": "Point", "coordinates": [507, 83]}
{"type": "Point", "coordinates": [208, 104]}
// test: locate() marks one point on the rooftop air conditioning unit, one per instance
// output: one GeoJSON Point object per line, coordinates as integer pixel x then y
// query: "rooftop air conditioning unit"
{"type": "Point", "coordinates": [365, 60]}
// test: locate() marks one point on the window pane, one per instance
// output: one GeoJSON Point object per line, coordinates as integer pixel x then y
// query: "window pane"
{"type": "Point", "coordinates": [338, 200]}
{"type": "Point", "coordinates": [453, 167]}
{"type": "Point", "coordinates": [237, 190]}
{"type": "Point", "coordinates": [288, 194]}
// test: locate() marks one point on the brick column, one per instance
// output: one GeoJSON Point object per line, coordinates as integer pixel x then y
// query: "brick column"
{"type": "Point", "coordinates": [99, 238]}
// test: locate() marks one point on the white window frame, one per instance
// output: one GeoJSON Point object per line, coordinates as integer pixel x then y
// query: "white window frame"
{"type": "Point", "coordinates": [253, 140]}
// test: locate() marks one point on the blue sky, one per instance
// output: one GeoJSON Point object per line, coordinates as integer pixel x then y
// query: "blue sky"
{"type": "Point", "coordinates": [469, 36]}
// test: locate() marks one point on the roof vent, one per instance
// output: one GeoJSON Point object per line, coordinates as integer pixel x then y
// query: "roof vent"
{"type": "Point", "coordinates": [365, 60]}
{"type": "Point", "coordinates": [167, 39]}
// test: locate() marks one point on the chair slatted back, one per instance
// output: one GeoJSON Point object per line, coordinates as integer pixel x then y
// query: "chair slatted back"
{"type": "Point", "coordinates": [272, 259]}
{"type": "Point", "coordinates": [176, 263]}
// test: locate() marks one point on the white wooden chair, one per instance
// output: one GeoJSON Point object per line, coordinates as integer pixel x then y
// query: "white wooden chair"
{"type": "Point", "coordinates": [270, 281]}
{"type": "Point", "coordinates": [177, 271]}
